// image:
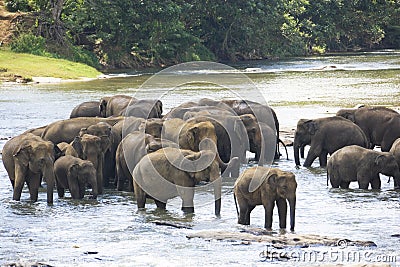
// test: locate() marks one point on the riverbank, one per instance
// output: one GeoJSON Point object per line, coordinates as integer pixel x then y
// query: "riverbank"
{"type": "Point", "coordinates": [23, 68]}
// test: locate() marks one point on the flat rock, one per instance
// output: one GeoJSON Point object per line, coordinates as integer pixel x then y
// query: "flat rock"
{"type": "Point", "coordinates": [279, 240]}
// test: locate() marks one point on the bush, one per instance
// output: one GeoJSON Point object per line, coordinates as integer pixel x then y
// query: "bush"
{"type": "Point", "coordinates": [29, 43]}
{"type": "Point", "coordinates": [17, 5]}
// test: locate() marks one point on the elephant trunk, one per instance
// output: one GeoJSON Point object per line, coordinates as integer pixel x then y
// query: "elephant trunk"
{"type": "Point", "coordinates": [292, 205]}
{"type": "Point", "coordinates": [50, 181]}
{"type": "Point", "coordinates": [296, 148]}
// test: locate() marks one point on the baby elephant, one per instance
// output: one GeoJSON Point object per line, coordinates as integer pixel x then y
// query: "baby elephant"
{"type": "Point", "coordinates": [355, 163]}
{"type": "Point", "coordinates": [265, 186]}
{"type": "Point", "coordinates": [74, 174]}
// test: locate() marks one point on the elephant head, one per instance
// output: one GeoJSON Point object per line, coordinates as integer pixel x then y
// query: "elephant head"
{"type": "Point", "coordinates": [152, 126]}
{"type": "Point", "coordinates": [103, 106]}
{"type": "Point", "coordinates": [102, 130]}
{"type": "Point", "coordinates": [387, 165]}
{"type": "Point", "coordinates": [302, 137]}
{"type": "Point", "coordinates": [79, 175]}
{"type": "Point", "coordinates": [347, 114]}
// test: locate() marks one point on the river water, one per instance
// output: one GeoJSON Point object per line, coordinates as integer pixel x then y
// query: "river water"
{"type": "Point", "coordinates": [110, 231]}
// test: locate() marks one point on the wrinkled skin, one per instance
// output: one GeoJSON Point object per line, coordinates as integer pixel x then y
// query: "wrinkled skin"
{"type": "Point", "coordinates": [266, 186]}
{"type": "Point", "coordinates": [230, 133]}
{"type": "Point", "coordinates": [381, 125]}
{"type": "Point", "coordinates": [144, 108]}
{"type": "Point", "coordinates": [163, 175]}
{"type": "Point", "coordinates": [325, 136]}
{"type": "Point", "coordinates": [251, 113]}
{"type": "Point", "coordinates": [86, 109]}
{"type": "Point", "coordinates": [355, 163]}
{"type": "Point", "coordinates": [67, 149]}
{"type": "Point", "coordinates": [180, 111]}
{"type": "Point", "coordinates": [67, 130]}
{"type": "Point", "coordinates": [114, 105]}
{"type": "Point", "coordinates": [190, 135]}
{"type": "Point", "coordinates": [74, 174]}
{"type": "Point", "coordinates": [131, 150]}
{"type": "Point", "coordinates": [27, 158]}
{"type": "Point", "coordinates": [89, 147]}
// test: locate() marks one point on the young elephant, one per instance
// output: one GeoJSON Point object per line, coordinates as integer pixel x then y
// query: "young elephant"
{"type": "Point", "coordinates": [74, 174]}
{"type": "Point", "coordinates": [266, 186]}
{"type": "Point", "coordinates": [355, 163]}
{"type": "Point", "coordinates": [171, 172]}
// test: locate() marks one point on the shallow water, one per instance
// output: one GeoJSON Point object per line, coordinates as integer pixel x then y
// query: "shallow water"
{"type": "Point", "coordinates": [110, 231]}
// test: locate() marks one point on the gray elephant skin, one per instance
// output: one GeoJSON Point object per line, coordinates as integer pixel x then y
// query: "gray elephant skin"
{"type": "Point", "coordinates": [266, 186]}
{"type": "Point", "coordinates": [381, 125]}
{"type": "Point", "coordinates": [27, 158]}
{"type": "Point", "coordinates": [86, 109]}
{"type": "Point", "coordinates": [171, 172]}
{"type": "Point", "coordinates": [325, 136]}
{"type": "Point", "coordinates": [355, 163]}
{"type": "Point", "coordinates": [75, 174]}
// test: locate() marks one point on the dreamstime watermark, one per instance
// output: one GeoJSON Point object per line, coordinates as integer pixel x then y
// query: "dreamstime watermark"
{"type": "Point", "coordinates": [340, 254]}
{"type": "Point", "coordinates": [199, 86]}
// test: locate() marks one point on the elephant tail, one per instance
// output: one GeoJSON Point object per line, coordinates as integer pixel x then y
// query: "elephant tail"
{"type": "Point", "coordinates": [237, 209]}
{"type": "Point", "coordinates": [327, 176]}
{"type": "Point", "coordinates": [287, 155]}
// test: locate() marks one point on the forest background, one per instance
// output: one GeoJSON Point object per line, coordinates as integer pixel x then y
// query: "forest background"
{"type": "Point", "coordinates": [116, 34]}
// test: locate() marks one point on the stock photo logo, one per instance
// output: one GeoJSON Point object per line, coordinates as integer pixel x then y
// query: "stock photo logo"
{"type": "Point", "coordinates": [200, 141]}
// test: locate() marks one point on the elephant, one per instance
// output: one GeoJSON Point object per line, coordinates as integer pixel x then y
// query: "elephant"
{"type": "Point", "coordinates": [67, 149]}
{"type": "Point", "coordinates": [132, 148]}
{"type": "Point", "coordinates": [355, 163]}
{"type": "Point", "coordinates": [27, 158]}
{"type": "Point", "coordinates": [381, 125]}
{"type": "Point", "coordinates": [180, 111]}
{"type": "Point", "coordinates": [395, 150]}
{"type": "Point", "coordinates": [171, 172]}
{"type": "Point", "coordinates": [144, 108]}
{"type": "Point", "coordinates": [114, 105]}
{"type": "Point", "coordinates": [266, 186]}
{"type": "Point", "coordinates": [325, 136]}
{"type": "Point", "coordinates": [75, 174]}
{"type": "Point", "coordinates": [89, 147]}
{"type": "Point", "coordinates": [262, 113]}
{"type": "Point", "coordinates": [231, 137]}
{"type": "Point", "coordinates": [86, 109]}
{"type": "Point", "coordinates": [67, 130]}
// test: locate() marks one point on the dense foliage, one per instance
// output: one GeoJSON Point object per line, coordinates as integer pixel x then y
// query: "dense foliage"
{"type": "Point", "coordinates": [135, 33]}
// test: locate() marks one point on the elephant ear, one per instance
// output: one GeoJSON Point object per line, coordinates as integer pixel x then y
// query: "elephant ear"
{"type": "Point", "coordinates": [77, 145]}
{"type": "Point", "coordinates": [105, 143]}
{"type": "Point", "coordinates": [380, 161]}
{"type": "Point", "coordinates": [191, 136]}
{"type": "Point", "coordinates": [57, 152]}
{"type": "Point", "coordinates": [23, 153]}
{"type": "Point", "coordinates": [83, 131]}
{"type": "Point", "coordinates": [73, 170]}
{"type": "Point", "coordinates": [311, 126]}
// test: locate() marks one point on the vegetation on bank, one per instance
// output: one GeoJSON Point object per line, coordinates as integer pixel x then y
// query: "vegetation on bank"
{"type": "Point", "coordinates": [125, 34]}
{"type": "Point", "coordinates": [22, 67]}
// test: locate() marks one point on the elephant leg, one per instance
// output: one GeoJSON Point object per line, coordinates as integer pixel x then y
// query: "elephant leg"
{"type": "Point", "coordinates": [187, 195]}
{"type": "Point", "coordinates": [60, 191]}
{"type": "Point", "coordinates": [344, 184]}
{"type": "Point", "coordinates": [20, 174]}
{"type": "Point", "coordinates": [244, 210]}
{"type": "Point", "coordinates": [160, 205]}
{"type": "Point", "coordinates": [269, 208]}
{"type": "Point", "coordinates": [140, 196]}
{"type": "Point", "coordinates": [376, 183]}
{"type": "Point", "coordinates": [281, 203]}
{"type": "Point", "coordinates": [323, 158]}
{"type": "Point", "coordinates": [311, 156]}
{"type": "Point", "coordinates": [33, 185]}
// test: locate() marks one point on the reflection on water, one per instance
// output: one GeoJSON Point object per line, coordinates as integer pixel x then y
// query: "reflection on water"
{"type": "Point", "coordinates": [110, 231]}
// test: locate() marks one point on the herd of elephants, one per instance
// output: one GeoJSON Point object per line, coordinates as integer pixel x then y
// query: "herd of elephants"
{"type": "Point", "coordinates": [128, 143]}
